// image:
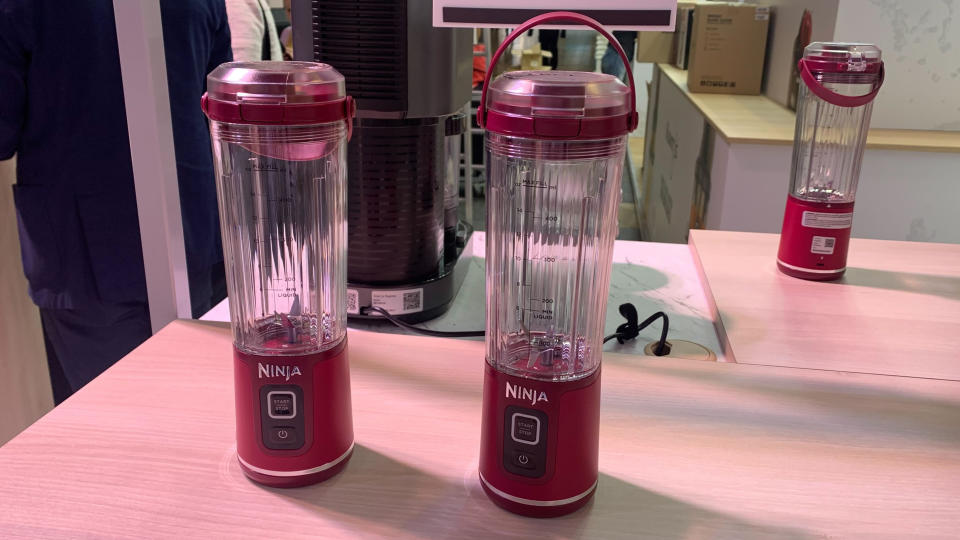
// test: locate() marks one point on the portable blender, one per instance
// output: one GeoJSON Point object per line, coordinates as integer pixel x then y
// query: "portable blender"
{"type": "Point", "coordinates": [840, 81]}
{"type": "Point", "coordinates": [555, 151]}
{"type": "Point", "coordinates": [279, 133]}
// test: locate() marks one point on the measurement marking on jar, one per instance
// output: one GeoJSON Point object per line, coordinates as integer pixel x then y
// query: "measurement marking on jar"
{"type": "Point", "coordinates": [534, 185]}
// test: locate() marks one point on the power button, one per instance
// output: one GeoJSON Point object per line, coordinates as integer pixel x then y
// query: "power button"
{"type": "Point", "coordinates": [283, 435]}
{"type": "Point", "coordinates": [282, 417]}
{"type": "Point", "coordinates": [524, 460]}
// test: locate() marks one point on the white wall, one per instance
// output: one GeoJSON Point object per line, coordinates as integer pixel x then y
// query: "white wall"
{"type": "Point", "coordinates": [909, 196]}
{"type": "Point", "coordinates": [920, 40]}
{"type": "Point", "coordinates": [901, 196]}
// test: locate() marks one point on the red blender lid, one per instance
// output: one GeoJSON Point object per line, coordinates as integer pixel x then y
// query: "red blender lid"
{"type": "Point", "coordinates": [828, 57]}
{"type": "Point", "coordinates": [559, 105]}
{"type": "Point", "coordinates": [285, 93]}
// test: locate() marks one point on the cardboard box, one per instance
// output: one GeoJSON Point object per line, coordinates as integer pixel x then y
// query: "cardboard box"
{"type": "Point", "coordinates": [654, 47]}
{"type": "Point", "coordinates": [786, 18]}
{"type": "Point", "coordinates": [727, 48]}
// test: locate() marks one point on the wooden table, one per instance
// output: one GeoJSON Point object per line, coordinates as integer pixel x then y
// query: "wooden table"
{"type": "Point", "coordinates": [688, 450]}
{"type": "Point", "coordinates": [896, 311]}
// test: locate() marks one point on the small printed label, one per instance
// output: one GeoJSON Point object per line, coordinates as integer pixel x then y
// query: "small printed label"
{"type": "Point", "coordinates": [398, 302]}
{"type": "Point", "coordinates": [353, 302]}
{"type": "Point", "coordinates": [762, 13]}
{"type": "Point", "coordinates": [823, 220]}
{"type": "Point", "coordinates": [823, 245]}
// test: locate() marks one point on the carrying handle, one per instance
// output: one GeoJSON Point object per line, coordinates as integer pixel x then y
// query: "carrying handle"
{"type": "Point", "coordinates": [834, 98]}
{"type": "Point", "coordinates": [559, 16]}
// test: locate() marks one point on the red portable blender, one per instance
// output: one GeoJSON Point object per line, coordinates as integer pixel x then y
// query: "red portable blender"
{"type": "Point", "coordinates": [279, 132]}
{"type": "Point", "coordinates": [555, 151]}
{"type": "Point", "coordinates": [840, 81]}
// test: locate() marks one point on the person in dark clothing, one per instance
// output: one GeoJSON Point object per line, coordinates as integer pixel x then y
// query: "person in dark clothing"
{"type": "Point", "coordinates": [549, 41]}
{"type": "Point", "coordinates": [611, 63]}
{"type": "Point", "coordinates": [196, 40]}
{"type": "Point", "coordinates": [62, 113]}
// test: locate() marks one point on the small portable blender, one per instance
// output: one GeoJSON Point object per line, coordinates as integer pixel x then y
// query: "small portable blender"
{"type": "Point", "coordinates": [555, 150]}
{"type": "Point", "coordinates": [840, 81]}
{"type": "Point", "coordinates": [279, 132]}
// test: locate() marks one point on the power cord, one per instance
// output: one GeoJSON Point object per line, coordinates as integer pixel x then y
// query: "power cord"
{"type": "Point", "coordinates": [625, 332]}
{"type": "Point", "coordinates": [631, 329]}
{"type": "Point", "coordinates": [367, 310]}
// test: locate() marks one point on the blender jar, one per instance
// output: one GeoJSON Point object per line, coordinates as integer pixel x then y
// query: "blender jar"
{"type": "Point", "coordinates": [279, 133]}
{"type": "Point", "coordinates": [555, 147]}
{"type": "Point", "coordinates": [840, 81]}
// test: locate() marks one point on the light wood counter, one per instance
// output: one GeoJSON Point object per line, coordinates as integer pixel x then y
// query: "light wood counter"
{"type": "Point", "coordinates": [896, 311]}
{"type": "Point", "coordinates": [688, 450]}
{"type": "Point", "coordinates": [760, 120]}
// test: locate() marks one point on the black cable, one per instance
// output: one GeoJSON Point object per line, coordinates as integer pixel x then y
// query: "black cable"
{"type": "Point", "coordinates": [366, 310]}
{"type": "Point", "coordinates": [631, 329]}
{"type": "Point", "coordinates": [626, 331]}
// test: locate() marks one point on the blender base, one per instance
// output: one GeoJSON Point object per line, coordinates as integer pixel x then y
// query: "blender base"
{"type": "Point", "coordinates": [823, 275]}
{"type": "Point", "coordinates": [814, 239]}
{"type": "Point", "coordinates": [531, 508]}
{"type": "Point", "coordinates": [307, 478]}
{"type": "Point", "coordinates": [294, 422]}
{"type": "Point", "coordinates": [539, 442]}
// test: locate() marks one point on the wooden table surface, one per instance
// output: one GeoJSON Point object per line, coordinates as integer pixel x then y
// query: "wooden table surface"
{"type": "Point", "coordinates": [760, 120]}
{"type": "Point", "coordinates": [688, 450]}
{"type": "Point", "coordinates": [895, 312]}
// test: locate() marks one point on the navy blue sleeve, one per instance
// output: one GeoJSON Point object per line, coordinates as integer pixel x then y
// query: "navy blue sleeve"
{"type": "Point", "coordinates": [14, 61]}
{"type": "Point", "coordinates": [220, 51]}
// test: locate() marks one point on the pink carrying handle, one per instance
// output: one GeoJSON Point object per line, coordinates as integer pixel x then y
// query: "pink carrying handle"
{"type": "Point", "coordinates": [559, 16]}
{"type": "Point", "coordinates": [832, 97]}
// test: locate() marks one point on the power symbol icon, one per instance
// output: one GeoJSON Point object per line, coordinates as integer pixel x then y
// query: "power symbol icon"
{"type": "Point", "coordinates": [283, 434]}
{"type": "Point", "coordinates": [523, 459]}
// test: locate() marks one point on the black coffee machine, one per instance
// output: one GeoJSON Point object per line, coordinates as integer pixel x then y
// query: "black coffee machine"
{"type": "Point", "coordinates": [411, 83]}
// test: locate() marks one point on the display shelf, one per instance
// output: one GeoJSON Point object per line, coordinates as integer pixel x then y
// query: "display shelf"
{"type": "Point", "coordinates": [760, 120]}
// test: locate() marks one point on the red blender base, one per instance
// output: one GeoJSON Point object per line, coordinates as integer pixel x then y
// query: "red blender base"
{"type": "Point", "coordinates": [814, 239]}
{"type": "Point", "coordinates": [525, 509]}
{"type": "Point", "coordinates": [294, 424]}
{"type": "Point", "coordinates": [300, 480]}
{"type": "Point", "coordinates": [539, 443]}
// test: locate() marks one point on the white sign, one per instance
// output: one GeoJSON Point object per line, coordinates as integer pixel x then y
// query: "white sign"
{"type": "Point", "coordinates": [656, 15]}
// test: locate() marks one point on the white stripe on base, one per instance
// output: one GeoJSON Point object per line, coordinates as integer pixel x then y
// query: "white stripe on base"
{"type": "Point", "coordinates": [812, 271]}
{"type": "Point", "coordinates": [532, 502]}
{"type": "Point", "coordinates": [304, 472]}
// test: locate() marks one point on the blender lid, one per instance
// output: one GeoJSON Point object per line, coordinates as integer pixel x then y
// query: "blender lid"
{"type": "Point", "coordinates": [836, 57]}
{"type": "Point", "coordinates": [558, 105]}
{"type": "Point", "coordinates": [276, 93]}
